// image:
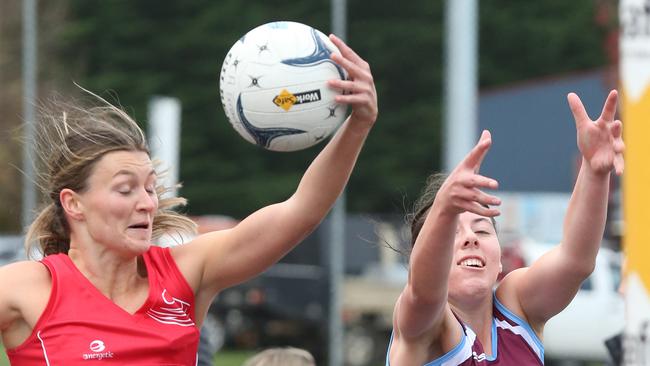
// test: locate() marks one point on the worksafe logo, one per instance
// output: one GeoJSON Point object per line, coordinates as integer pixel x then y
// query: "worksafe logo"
{"type": "Point", "coordinates": [286, 100]}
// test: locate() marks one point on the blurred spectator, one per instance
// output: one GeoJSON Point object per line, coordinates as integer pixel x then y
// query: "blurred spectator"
{"type": "Point", "coordinates": [206, 353]}
{"type": "Point", "coordinates": [288, 356]}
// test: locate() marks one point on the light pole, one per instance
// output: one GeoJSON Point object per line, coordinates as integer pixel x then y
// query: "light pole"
{"type": "Point", "coordinates": [29, 109]}
{"type": "Point", "coordinates": [337, 231]}
{"type": "Point", "coordinates": [460, 80]}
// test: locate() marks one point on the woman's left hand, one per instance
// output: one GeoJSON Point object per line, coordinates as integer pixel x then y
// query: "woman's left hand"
{"type": "Point", "coordinates": [599, 141]}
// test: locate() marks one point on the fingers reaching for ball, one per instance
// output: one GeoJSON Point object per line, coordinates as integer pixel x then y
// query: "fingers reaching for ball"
{"type": "Point", "coordinates": [359, 89]}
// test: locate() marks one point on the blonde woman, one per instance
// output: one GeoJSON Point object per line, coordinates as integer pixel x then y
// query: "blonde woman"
{"type": "Point", "coordinates": [103, 291]}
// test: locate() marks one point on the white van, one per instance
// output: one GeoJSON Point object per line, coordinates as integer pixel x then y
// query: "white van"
{"type": "Point", "coordinates": [596, 314]}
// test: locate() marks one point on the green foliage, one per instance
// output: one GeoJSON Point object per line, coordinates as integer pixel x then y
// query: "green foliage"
{"type": "Point", "coordinates": [522, 40]}
{"type": "Point", "coordinates": [142, 48]}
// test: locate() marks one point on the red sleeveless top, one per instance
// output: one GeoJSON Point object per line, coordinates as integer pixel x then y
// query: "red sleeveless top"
{"type": "Point", "coordinates": [81, 326]}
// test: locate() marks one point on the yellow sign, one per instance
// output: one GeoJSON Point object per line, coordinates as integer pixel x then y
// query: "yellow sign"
{"type": "Point", "coordinates": [636, 184]}
{"type": "Point", "coordinates": [635, 80]}
{"type": "Point", "coordinates": [635, 87]}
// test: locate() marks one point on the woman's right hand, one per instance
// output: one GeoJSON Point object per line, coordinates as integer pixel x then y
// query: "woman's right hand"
{"type": "Point", "coordinates": [462, 190]}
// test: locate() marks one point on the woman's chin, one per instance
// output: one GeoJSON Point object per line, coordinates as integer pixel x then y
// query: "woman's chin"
{"type": "Point", "coordinates": [138, 246]}
{"type": "Point", "coordinates": [472, 289]}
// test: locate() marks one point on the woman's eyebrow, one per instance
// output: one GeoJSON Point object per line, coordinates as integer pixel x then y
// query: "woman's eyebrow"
{"type": "Point", "coordinates": [131, 173]}
{"type": "Point", "coordinates": [480, 219]}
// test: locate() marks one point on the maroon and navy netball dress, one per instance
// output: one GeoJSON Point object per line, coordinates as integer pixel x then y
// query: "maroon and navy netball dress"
{"type": "Point", "coordinates": [514, 343]}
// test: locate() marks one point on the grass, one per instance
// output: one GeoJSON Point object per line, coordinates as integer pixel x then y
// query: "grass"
{"type": "Point", "coordinates": [232, 358]}
{"type": "Point", "coordinates": [3, 356]}
{"type": "Point", "coordinates": [224, 358]}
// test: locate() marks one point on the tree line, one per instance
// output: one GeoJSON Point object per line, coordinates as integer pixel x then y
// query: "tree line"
{"type": "Point", "coordinates": [130, 51]}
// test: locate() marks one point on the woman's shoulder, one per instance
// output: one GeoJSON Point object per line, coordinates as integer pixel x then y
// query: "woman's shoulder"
{"type": "Point", "coordinates": [24, 274]}
{"type": "Point", "coordinates": [508, 301]}
{"type": "Point", "coordinates": [506, 291]}
{"type": "Point", "coordinates": [23, 281]}
{"type": "Point", "coordinates": [25, 287]}
{"type": "Point", "coordinates": [27, 267]}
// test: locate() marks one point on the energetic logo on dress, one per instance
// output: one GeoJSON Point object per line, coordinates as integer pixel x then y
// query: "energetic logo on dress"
{"type": "Point", "coordinates": [97, 347]}
{"type": "Point", "coordinates": [173, 312]}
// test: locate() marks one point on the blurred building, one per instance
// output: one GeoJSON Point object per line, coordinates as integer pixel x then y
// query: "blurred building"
{"type": "Point", "coordinates": [533, 132]}
{"type": "Point", "coordinates": [534, 152]}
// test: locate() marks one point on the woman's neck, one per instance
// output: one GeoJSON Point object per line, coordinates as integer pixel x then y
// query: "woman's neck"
{"type": "Point", "coordinates": [478, 315]}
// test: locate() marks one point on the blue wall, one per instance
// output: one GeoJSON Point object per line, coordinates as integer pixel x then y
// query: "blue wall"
{"type": "Point", "coordinates": [533, 133]}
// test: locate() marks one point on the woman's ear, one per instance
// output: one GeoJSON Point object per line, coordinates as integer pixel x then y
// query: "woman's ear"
{"type": "Point", "coordinates": [71, 204]}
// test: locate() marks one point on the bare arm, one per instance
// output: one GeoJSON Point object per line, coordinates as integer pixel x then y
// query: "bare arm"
{"type": "Point", "coordinates": [422, 307]}
{"type": "Point", "coordinates": [24, 292]}
{"type": "Point", "coordinates": [550, 284]}
{"type": "Point", "coordinates": [8, 312]}
{"type": "Point", "coordinates": [232, 256]}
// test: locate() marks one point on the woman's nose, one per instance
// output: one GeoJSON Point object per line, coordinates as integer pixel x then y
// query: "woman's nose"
{"type": "Point", "coordinates": [469, 238]}
{"type": "Point", "coordinates": [147, 202]}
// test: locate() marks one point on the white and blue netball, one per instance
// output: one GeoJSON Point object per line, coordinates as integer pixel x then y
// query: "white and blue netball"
{"type": "Point", "coordinates": [274, 88]}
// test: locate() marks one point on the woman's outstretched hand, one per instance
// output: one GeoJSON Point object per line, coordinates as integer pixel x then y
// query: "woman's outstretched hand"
{"type": "Point", "coordinates": [462, 189]}
{"type": "Point", "coordinates": [600, 141]}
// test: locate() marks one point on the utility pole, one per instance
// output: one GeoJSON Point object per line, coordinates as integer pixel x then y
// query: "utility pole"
{"type": "Point", "coordinates": [461, 95]}
{"type": "Point", "coordinates": [337, 231]}
{"type": "Point", "coordinates": [29, 109]}
{"type": "Point", "coordinates": [164, 117]}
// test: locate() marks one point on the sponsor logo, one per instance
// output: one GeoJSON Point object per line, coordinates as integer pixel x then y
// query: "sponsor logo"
{"type": "Point", "coordinates": [308, 96]}
{"type": "Point", "coordinates": [97, 347]}
{"type": "Point", "coordinates": [286, 100]}
{"type": "Point", "coordinates": [478, 357]}
{"type": "Point", "coordinates": [174, 311]}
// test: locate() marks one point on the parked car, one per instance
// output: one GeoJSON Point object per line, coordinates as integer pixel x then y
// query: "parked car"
{"type": "Point", "coordinates": [579, 332]}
